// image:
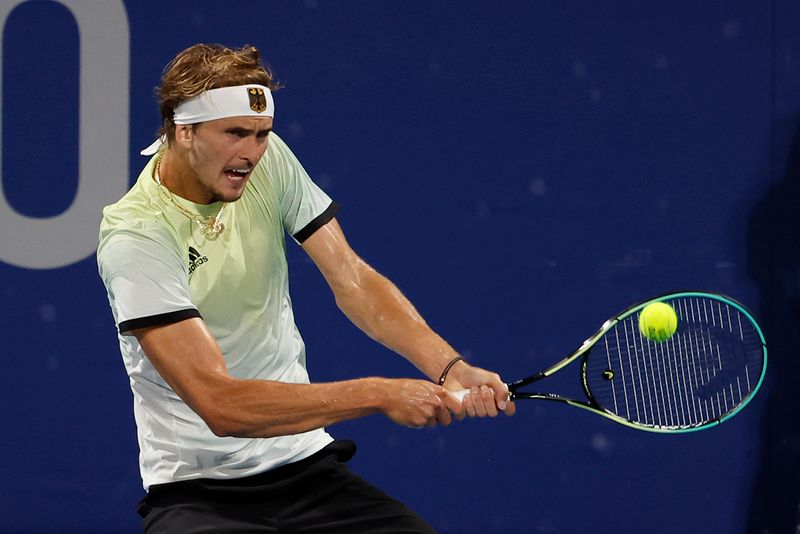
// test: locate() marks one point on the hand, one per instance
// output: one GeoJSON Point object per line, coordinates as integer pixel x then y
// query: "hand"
{"type": "Point", "coordinates": [487, 392]}
{"type": "Point", "coordinates": [419, 403]}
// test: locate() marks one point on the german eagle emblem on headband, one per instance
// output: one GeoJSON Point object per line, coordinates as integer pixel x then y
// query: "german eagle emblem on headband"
{"type": "Point", "coordinates": [258, 102]}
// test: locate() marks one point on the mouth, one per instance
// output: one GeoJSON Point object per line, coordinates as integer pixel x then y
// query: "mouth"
{"type": "Point", "coordinates": [237, 175]}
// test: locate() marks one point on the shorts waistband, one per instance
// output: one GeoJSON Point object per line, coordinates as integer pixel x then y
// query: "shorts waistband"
{"type": "Point", "coordinates": [342, 450]}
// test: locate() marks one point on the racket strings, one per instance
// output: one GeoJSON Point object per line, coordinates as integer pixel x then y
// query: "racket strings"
{"type": "Point", "coordinates": [705, 371]}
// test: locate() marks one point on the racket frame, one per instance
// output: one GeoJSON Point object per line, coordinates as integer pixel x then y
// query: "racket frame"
{"type": "Point", "coordinates": [585, 349]}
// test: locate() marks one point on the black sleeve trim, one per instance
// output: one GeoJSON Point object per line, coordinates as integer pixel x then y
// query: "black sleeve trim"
{"type": "Point", "coordinates": [158, 320]}
{"type": "Point", "coordinates": [319, 221]}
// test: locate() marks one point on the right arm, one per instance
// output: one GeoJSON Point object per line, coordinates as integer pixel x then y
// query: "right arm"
{"type": "Point", "coordinates": [188, 358]}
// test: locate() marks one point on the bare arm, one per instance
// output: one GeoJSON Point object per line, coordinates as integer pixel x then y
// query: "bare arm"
{"type": "Point", "coordinates": [376, 306]}
{"type": "Point", "coordinates": [188, 358]}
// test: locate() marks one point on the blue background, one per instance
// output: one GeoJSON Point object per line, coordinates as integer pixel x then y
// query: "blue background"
{"type": "Point", "coordinates": [521, 170]}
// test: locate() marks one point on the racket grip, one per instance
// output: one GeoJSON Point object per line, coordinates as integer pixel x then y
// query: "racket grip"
{"type": "Point", "coordinates": [460, 394]}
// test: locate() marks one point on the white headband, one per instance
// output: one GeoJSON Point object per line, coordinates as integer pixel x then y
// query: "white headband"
{"type": "Point", "coordinates": [221, 103]}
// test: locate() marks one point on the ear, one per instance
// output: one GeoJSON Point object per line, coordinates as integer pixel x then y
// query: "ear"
{"type": "Point", "coordinates": [184, 135]}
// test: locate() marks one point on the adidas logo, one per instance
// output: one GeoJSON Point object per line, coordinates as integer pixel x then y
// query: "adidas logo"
{"type": "Point", "coordinates": [195, 259]}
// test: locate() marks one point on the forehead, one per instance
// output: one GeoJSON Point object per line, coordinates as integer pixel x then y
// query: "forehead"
{"type": "Point", "coordinates": [244, 123]}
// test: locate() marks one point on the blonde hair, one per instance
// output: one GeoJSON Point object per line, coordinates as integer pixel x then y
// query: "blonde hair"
{"type": "Point", "coordinates": [207, 66]}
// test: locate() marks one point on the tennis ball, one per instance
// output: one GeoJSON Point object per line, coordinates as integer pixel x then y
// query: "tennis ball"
{"type": "Point", "coordinates": [657, 321]}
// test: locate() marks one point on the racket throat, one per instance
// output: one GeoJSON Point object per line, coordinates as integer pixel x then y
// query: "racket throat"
{"type": "Point", "coordinates": [513, 386]}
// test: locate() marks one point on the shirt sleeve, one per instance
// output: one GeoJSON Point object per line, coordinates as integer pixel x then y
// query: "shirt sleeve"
{"type": "Point", "coordinates": [304, 206]}
{"type": "Point", "coordinates": [146, 281]}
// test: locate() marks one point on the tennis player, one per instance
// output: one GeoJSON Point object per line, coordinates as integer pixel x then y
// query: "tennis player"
{"type": "Point", "coordinates": [231, 431]}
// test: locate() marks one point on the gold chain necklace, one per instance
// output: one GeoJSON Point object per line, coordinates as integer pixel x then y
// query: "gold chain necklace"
{"type": "Point", "coordinates": [210, 227]}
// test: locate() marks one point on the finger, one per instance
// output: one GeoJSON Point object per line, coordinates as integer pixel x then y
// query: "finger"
{"type": "Point", "coordinates": [419, 422]}
{"type": "Point", "coordinates": [469, 405]}
{"type": "Point", "coordinates": [488, 397]}
{"type": "Point", "coordinates": [454, 405]}
{"type": "Point", "coordinates": [477, 399]}
{"type": "Point", "coordinates": [511, 408]}
{"type": "Point", "coordinates": [501, 394]}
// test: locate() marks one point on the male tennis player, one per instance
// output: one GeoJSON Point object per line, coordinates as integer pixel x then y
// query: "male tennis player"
{"type": "Point", "coordinates": [193, 259]}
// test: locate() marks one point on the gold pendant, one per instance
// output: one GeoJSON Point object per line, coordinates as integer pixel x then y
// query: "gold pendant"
{"type": "Point", "coordinates": [213, 230]}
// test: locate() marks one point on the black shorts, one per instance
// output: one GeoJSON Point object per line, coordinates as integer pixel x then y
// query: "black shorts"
{"type": "Point", "coordinates": [317, 494]}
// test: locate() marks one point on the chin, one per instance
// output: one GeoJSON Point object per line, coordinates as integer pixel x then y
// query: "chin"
{"type": "Point", "coordinates": [229, 194]}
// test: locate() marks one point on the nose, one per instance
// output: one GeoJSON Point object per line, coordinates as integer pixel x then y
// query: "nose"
{"type": "Point", "coordinates": [253, 148]}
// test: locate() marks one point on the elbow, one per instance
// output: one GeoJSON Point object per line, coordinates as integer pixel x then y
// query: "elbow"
{"type": "Point", "coordinates": [352, 283]}
{"type": "Point", "coordinates": [231, 423]}
{"type": "Point", "coordinates": [346, 294]}
{"type": "Point", "coordinates": [222, 427]}
{"type": "Point", "coordinates": [216, 421]}
{"type": "Point", "coordinates": [228, 428]}
{"type": "Point", "coordinates": [220, 418]}
{"type": "Point", "coordinates": [226, 414]}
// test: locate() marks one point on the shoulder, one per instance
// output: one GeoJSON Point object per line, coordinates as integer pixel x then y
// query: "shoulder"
{"type": "Point", "coordinates": [126, 238]}
{"type": "Point", "coordinates": [278, 156]}
{"type": "Point", "coordinates": [276, 168]}
{"type": "Point", "coordinates": [135, 219]}
{"type": "Point", "coordinates": [277, 144]}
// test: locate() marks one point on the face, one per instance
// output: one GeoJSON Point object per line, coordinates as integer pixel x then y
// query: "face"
{"type": "Point", "coordinates": [222, 154]}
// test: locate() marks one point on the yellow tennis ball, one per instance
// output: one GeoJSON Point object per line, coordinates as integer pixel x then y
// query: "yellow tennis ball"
{"type": "Point", "coordinates": [657, 321]}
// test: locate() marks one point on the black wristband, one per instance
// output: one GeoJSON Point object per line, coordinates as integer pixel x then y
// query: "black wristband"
{"type": "Point", "coordinates": [447, 369]}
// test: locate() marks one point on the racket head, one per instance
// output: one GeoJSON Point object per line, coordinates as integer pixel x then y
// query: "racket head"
{"type": "Point", "coordinates": [704, 374]}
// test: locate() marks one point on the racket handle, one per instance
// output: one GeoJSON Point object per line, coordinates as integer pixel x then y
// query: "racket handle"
{"type": "Point", "coordinates": [460, 394]}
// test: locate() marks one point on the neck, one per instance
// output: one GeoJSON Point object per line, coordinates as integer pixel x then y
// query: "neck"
{"type": "Point", "coordinates": [177, 175]}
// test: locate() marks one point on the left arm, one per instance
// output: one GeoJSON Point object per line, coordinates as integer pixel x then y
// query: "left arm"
{"type": "Point", "coordinates": [377, 307]}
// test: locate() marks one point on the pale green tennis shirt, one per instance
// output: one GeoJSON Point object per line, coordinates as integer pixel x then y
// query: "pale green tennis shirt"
{"type": "Point", "coordinates": [158, 268]}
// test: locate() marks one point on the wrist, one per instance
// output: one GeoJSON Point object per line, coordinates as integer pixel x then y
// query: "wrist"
{"type": "Point", "coordinates": [449, 369]}
{"type": "Point", "coordinates": [375, 394]}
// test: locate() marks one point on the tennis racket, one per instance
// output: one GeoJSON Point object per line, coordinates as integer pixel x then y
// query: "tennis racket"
{"type": "Point", "coordinates": [703, 375]}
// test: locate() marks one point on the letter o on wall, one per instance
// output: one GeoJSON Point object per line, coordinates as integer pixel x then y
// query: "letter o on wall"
{"type": "Point", "coordinates": [71, 236]}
